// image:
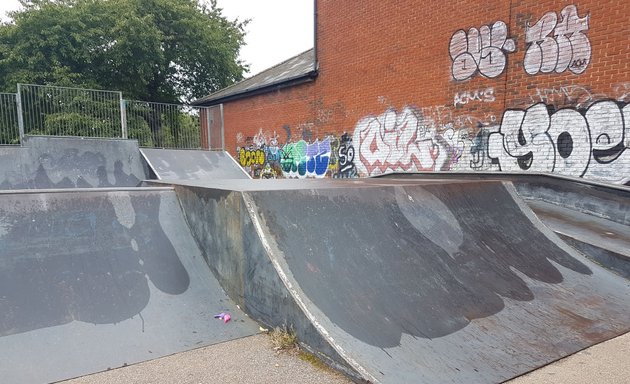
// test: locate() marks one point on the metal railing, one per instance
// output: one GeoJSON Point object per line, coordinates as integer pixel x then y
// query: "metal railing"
{"type": "Point", "coordinates": [63, 111]}
{"type": "Point", "coordinates": [9, 127]}
{"type": "Point", "coordinates": [163, 125]}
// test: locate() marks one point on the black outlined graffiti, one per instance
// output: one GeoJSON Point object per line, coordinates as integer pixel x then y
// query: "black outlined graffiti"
{"type": "Point", "coordinates": [591, 144]}
{"type": "Point", "coordinates": [558, 45]}
{"type": "Point", "coordinates": [345, 154]}
{"type": "Point", "coordinates": [481, 50]}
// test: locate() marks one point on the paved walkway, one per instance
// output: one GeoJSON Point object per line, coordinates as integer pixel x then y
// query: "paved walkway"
{"type": "Point", "coordinates": [253, 360]}
{"type": "Point", "coordinates": [247, 360]}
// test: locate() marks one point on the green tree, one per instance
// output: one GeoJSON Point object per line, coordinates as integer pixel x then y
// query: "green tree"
{"type": "Point", "coordinates": [155, 50]}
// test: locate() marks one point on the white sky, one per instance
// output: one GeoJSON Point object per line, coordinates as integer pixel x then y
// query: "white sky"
{"type": "Point", "coordinates": [278, 30]}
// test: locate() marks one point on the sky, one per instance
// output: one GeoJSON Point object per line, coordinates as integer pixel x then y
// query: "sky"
{"type": "Point", "coordinates": [278, 30]}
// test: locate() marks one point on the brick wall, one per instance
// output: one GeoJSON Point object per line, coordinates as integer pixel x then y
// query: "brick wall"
{"type": "Point", "coordinates": [526, 86]}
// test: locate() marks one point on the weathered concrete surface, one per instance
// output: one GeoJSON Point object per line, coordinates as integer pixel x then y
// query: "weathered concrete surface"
{"type": "Point", "coordinates": [407, 280]}
{"type": "Point", "coordinates": [435, 283]}
{"type": "Point", "coordinates": [593, 218]}
{"type": "Point", "coordinates": [605, 363]}
{"type": "Point", "coordinates": [97, 279]}
{"type": "Point", "coordinates": [181, 165]}
{"type": "Point", "coordinates": [70, 162]}
{"type": "Point", "coordinates": [248, 360]}
{"type": "Point", "coordinates": [221, 224]}
{"type": "Point", "coordinates": [252, 360]}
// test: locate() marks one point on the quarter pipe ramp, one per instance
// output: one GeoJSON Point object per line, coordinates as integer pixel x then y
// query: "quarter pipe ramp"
{"type": "Point", "coordinates": [97, 279]}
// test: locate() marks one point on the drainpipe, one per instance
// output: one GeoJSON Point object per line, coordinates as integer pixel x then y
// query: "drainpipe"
{"type": "Point", "coordinates": [315, 63]}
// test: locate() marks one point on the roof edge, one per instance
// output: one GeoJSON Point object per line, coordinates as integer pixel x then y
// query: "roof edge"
{"type": "Point", "coordinates": [285, 83]}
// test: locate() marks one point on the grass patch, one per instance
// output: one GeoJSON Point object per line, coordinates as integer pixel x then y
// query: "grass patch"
{"type": "Point", "coordinates": [313, 360]}
{"type": "Point", "coordinates": [283, 339]}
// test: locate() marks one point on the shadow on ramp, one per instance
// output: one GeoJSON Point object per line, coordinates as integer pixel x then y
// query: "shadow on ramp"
{"type": "Point", "coordinates": [97, 279]}
{"type": "Point", "coordinates": [414, 281]}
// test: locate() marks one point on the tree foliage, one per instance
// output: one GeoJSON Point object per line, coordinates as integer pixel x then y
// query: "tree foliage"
{"type": "Point", "coordinates": [156, 50]}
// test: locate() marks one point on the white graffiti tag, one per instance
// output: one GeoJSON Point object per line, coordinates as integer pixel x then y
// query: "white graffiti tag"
{"type": "Point", "coordinates": [402, 141]}
{"type": "Point", "coordinates": [592, 145]}
{"type": "Point", "coordinates": [480, 50]}
{"type": "Point", "coordinates": [481, 95]}
{"type": "Point", "coordinates": [569, 48]}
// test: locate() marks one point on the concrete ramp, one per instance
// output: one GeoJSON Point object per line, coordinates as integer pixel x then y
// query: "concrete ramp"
{"type": "Point", "coordinates": [98, 279]}
{"type": "Point", "coordinates": [46, 162]}
{"type": "Point", "coordinates": [189, 165]}
{"type": "Point", "coordinates": [434, 282]}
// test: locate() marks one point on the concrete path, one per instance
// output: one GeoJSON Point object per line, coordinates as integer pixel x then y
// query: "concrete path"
{"type": "Point", "coordinates": [605, 363]}
{"type": "Point", "coordinates": [248, 360]}
{"type": "Point", "coordinates": [253, 360]}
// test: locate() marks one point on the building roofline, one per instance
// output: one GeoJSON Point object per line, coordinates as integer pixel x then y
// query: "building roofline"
{"type": "Point", "coordinates": [263, 88]}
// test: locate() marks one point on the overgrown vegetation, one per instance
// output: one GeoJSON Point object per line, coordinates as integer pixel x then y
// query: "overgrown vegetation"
{"type": "Point", "coordinates": [283, 339]}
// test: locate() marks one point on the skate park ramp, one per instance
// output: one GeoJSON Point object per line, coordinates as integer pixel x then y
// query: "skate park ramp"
{"type": "Point", "coordinates": [93, 279]}
{"type": "Point", "coordinates": [45, 162]}
{"type": "Point", "coordinates": [592, 217]}
{"type": "Point", "coordinates": [414, 281]}
{"type": "Point", "coordinates": [186, 165]}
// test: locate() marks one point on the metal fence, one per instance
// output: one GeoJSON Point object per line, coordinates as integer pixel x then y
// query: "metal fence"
{"type": "Point", "coordinates": [9, 128]}
{"type": "Point", "coordinates": [166, 125]}
{"type": "Point", "coordinates": [64, 111]}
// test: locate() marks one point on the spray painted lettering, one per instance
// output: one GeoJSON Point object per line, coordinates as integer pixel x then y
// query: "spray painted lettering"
{"type": "Point", "coordinates": [300, 160]}
{"type": "Point", "coordinates": [480, 50]}
{"type": "Point", "coordinates": [591, 145]}
{"type": "Point", "coordinates": [345, 159]}
{"type": "Point", "coordinates": [404, 141]}
{"type": "Point", "coordinates": [480, 95]}
{"type": "Point", "coordinates": [569, 48]}
{"type": "Point", "coordinates": [249, 157]}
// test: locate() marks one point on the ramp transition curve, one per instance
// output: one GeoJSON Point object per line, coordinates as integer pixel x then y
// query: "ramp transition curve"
{"type": "Point", "coordinates": [408, 281]}
{"type": "Point", "coordinates": [97, 279]}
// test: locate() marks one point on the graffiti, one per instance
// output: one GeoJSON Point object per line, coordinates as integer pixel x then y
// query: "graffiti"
{"type": "Point", "coordinates": [558, 45]}
{"type": "Point", "coordinates": [592, 144]}
{"type": "Point", "coordinates": [268, 172]}
{"type": "Point", "coordinates": [300, 160]}
{"type": "Point", "coordinates": [571, 95]}
{"type": "Point", "coordinates": [440, 116]}
{"type": "Point", "coordinates": [345, 158]}
{"type": "Point", "coordinates": [477, 154]}
{"type": "Point", "coordinates": [481, 95]}
{"type": "Point", "coordinates": [250, 157]}
{"type": "Point", "coordinates": [480, 50]}
{"type": "Point", "coordinates": [404, 141]}
{"type": "Point", "coordinates": [622, 92]}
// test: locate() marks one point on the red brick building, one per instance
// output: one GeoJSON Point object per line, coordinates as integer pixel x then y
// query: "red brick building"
{"type": "Point", "coordinates": [519, 86]}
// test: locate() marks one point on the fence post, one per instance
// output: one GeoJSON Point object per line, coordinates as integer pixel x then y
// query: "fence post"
{"type": "Point", "coordinates": [123, 116]}
{"type": "Point", "coordinates": [18, 102]}
{"type": "Point", "coordinates": [222, 128]}
{"type": "Point", "coordinates": [209, 122]}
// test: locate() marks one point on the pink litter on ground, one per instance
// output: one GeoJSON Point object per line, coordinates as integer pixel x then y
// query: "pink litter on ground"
{"type": "Point", "coordinates": [227, 318]}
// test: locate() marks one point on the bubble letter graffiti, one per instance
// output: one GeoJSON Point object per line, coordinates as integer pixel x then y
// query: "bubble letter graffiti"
{"type": "Point", "coordinates": [480, 50]}
{"type": "Point", "coordinates": [569, 48]}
